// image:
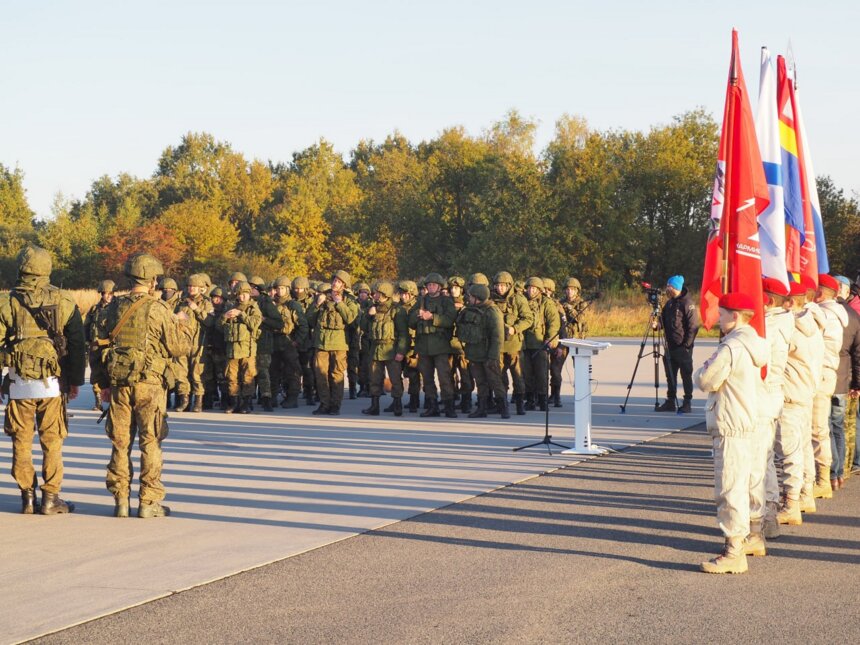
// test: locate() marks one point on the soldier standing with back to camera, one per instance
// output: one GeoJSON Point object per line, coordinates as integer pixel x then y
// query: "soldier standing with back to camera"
{"type": "Point", "coordinates": [95, 318]}
{"type": "Point", "coordinates": [680, 322]}
{"type": "Point", "coordinates": [143, 335]}
{"type": "Point", "coordinates": [42, 345]}
{"type": "Point", "coordinates": [517, 317]}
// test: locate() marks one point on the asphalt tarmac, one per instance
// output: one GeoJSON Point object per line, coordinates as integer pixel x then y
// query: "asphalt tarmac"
{"type": "Point", "coordinates": [603, 550]}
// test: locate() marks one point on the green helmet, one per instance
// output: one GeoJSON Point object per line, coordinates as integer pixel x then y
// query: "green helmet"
{"type": "Point", "coordinates": [106, 286]}
{"type": "Point", "coordinates": [519, 286]}
{"type": "Point", "coordinates": [206, 279]}
{"type": "Point", "coordinates": [216, 292]}
{"type": "Point", "coordinates": [435, 278]}
{"type": "Point", "coordinates": [479, 278]}
{"type": "Point", "coordinates": [242, 287]}
{"type": "Point", "coordinates": [322, 287]}
{"type": "Point", "coordinates": [572, 282]}
{"type": "Point", "coordinates": [503, 277]}
{"type": "Point", "coordinates": [385, 288]}
{"type": "Point", "coordinates": [257, 281]}
{"type": "Point", "coordinates": [343, 276]}
{"type": "Point", "coordinates": [169, 283]}
{"type": "Point", "coordinates": [143, 266]}
{"type": "Point", "coordinates": [535, 281]}
{"type": "Point", "coordinates": [238, 276]}
{"type": "Point", "coordinates": [549, 284]}
{"type": "Point", "coordinates": [480, 291]}
{"type": "Point", "coordinates": [408, 286]}
{"type": "Point", "coordinates": [34, 260]}
{"type": "Point", "coordinates": [301, 283]}
{"type": "Point", "coordinates": [456, 281]}
{"type": "Point", "coordinates": [196, 280]}
{"type": "Point", "coordinates": [281, 281]}
{"type": "Point", "coordinates": [361, 286]}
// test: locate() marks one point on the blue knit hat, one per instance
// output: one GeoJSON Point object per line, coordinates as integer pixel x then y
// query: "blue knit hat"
{"type": "Point", "coordinates": [676, 282]}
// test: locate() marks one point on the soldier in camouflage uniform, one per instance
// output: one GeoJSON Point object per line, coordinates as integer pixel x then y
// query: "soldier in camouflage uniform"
{"type": "Point", "coordinates": [188, 370]}
{"type": "Point", "coordinates": [387, 330]}
{"type": "Point", "coordinates": [408, 291]}
{"type": "Point", "coordinates": [235, 279]}
{"type": "Point", "coordinates": [459, 364]}
{"type": "Point", "coordinates": [517, 317]}
{"type": "Point", "coordinates": [96, 317]}
{"type": "Point", "coordinates": [363, 292]}
{"type": "Point", "coordinates": [215, 358]}
{"type": "Point", "coordinates": [480, 329]}
{"type": "Point", "coordinates": [241, 325]}
{"type": "Point", "coordinates": [271, 324]}
{"type": "Point", "coordinates": [302, 294]}
{"type": "Point", "coordinates": [572, 326]}
{"type": "Point", "coordinates": [330, 315]}
{"type": "Point", "coordinates": [143, 335]}
{"type": "Point", "coordinates": [556, 358]}
{"type": "Point", "coordinates": [170, 291]}
{"type": "Point", "coordinates": [433, 321]}
{"type": "Point", "coordinates": [293, 335]}
{"type": "Point", "coordinates": [42, 345]}
{"type": "Point", "coordinates": [543, 332]}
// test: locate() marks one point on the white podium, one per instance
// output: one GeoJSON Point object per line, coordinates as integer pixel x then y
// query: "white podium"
{"type": "Point", "coordinates": [582, 351]}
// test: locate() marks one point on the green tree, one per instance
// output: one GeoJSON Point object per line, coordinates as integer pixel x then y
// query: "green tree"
{"type": "Point", "coordinates": [841, 218]}
{"type": "Point", "coordinates": [16, 222]}
{"type": "Point", "coordinates": [209, 239]}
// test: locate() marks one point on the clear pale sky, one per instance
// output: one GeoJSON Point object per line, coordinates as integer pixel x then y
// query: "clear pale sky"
{"type": "Point", "coordinates": [95, 87]}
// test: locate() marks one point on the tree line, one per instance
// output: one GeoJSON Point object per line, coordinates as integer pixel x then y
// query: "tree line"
{"type": "Point", "coordinates": [614, 206]}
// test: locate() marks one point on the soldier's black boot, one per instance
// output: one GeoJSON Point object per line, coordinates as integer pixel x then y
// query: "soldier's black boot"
{"type": "Point", "coordinates": [518, 401]}
{"type": "Point", "coordinates": [450, 412]}
{"type": "Point", "coordinates": [373, 409]}
{"type": "Point", "coordinates": [208, 401]}
{"type": "Point", "coordinates": [556, 396]}
{"type": "Point", "coordinates": [530, 402]}
{"type": "Point", "coordinates": [224, 400]}
{"type": "Point", "coordinates": [322, 409]}
{"type": "Point", "coordinates": [413, 403]}
{"type": "Point", "coordinates": [309, 397]}
{"type": "Point", "coordinates": [390, 407]}
{"type": "Point", "coordinates": [504, 410]}
{"type": "Point", "coordinates": [433, 410]}
{"type": "Point", "coordinates": [428, 402]}
{"type": "Point", "coordinates": [267, 404]}
{"type": "Point", "coordinates": [28, 501]}
{"type": "Point", "coordinates": [120, 507]}
{"type": "Point", "coordinates": [686, 407]}
{"type": "Point", "coordinates": [291, 402]}
{"type": "Point", "coordinates": [246, 407]}
{"type": "Point", "coordinates": [334, 410]}
{"type": "Point", "coordinates": [198, 404]}
{"type": "Point", "coordinates": [480, 411]}
{"type": "Point", "coordinates": [231, 405]}
{"type": "Point", "coordinates": [351, 390]}
{"type": "Point", "coordinates": [398, 406]}
{"type": "Point", "coordinates": [466, 402]}
{"type": "Point", "coordinates": [181, 403]}
{"type": "Point", "coordinates": [668, 406]}
{"type": "Point", "coordinates": [53, 505]}
{"type": "Point", "coordinates": [541, 402]}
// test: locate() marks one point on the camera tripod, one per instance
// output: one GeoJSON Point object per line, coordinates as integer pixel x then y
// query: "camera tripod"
{"type": "Point", "coordinates": [654, 332]}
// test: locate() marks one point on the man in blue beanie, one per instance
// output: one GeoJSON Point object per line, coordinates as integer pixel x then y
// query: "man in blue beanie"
{"type": "Point", "coordinates": [680, 322]}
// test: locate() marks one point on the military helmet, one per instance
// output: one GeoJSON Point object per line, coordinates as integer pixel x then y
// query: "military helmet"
{"type": "Point", "coordinates": [106, 286]}
{"type": "Point", "coordinates": [456, 281]}
{"type": "Point", "coordinates": [535, 281]}
{"type": "Point", "coordinates": [572, 282]}
{"type": "Point", "coordinates": [343, 276]}
{"type": "Point", "coordinates": [206, 279]}
{"type": "Point", "coordinates": [549, 284]}
{"type": "Point", "coordinates": [143, 266]}
{"type": "Point", "coordinates": [169, 283]}
{"type": "Point", "coordinates": [434, 278]}
{"type": "Point", "coordinates": [322, 287]}
{"type": "Point", "coordinates": [34, 260]}
{"type": "Point", "coordinates": [519, 286]}
{"type": "Point", "coordinates": [479, 278]}
{"type": "Point", "coordinates": [238, 276]}
{"type": "Point", "coordinates": [242, 287]}
{"type": "Point", "coordinates": [216, 291]}
{"type": "Point", "coordinates": [503, 277]}
{"type": "Point", "coordinates": [301, 282]}
{"type": "Point", "coordinates": [408, 286]}
{"type": "Point", "coordinates": [256, 281]}
{"type": "Point", "coordinates": [480, 291]}
{"type": "Point", "coordinates": [385, 288]}
{"type": "Point", "coordinates": [196, 280]}
{"type": "Point", "coordinates": [281, 281]}
{"type": "Point", "coordinates": [361, 286]}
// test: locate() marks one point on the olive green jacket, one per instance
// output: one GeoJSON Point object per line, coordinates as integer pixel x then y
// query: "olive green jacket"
{"type": "Point", "coordinates": [545, 326]}
{"type": "Point", "coordinates": [330, 321]}
{"type": "Point", "coordinates": [481, 331]}
{"type": "Point", "coordinates": [516, 313]}
{"type": "Point", "coordinates": [433, 337]}
{"type": "Point", "coordinates": [295, 328]}
{"type": "Point", "coordinates": [387, 331]}
{"type": "Point", "coordinates": [241, 332]}
{"type": "Point", "coordinates": [271, 324]}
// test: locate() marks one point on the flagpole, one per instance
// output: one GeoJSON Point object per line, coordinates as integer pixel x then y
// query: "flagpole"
{"type": "Point", "coordinates": [728, 122]}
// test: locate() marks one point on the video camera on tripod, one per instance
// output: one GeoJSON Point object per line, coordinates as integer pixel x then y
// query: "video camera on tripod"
{"type": "Point", "coordinates": [654, 295]}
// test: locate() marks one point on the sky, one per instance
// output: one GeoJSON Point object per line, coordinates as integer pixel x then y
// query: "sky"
{"type": "Point", "coordinates": [90, 88]}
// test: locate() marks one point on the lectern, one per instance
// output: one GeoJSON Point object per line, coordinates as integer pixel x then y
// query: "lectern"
{"type": "Point", "coordinates": [582, 351]}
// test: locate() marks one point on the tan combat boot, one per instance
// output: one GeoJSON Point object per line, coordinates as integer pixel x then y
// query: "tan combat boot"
{"type": "Point", "coordinates": [754, 543]}
{"type": "Point", "coordinates": [770, 526]}
{"type": "Point", "coordinates": [822, 488]}
{"type": "Point", "coordinates": [807, 501]}
{"type": "Point", "coordinates": [731, 560]}
{"type": "Point", "coordinates": [790, 512]}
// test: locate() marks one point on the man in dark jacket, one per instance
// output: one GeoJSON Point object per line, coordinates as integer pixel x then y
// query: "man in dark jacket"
{"type": "Point", "coordinates": [680, 322]}
{"type": "Point", "coordinates": [847, 384]}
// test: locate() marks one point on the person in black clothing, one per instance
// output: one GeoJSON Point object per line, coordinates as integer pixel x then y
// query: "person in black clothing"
{"type": "Point", "coordinates": [680, 322]}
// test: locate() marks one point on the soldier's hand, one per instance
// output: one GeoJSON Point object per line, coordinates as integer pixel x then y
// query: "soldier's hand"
{"type": "Point", "coordinates": [73, 392]}
{"type": "Point", "coordinates": [425, 315]}
{"type": "Point", "coordinates": [336, 296]}
{"type": "Point", "coordinates": [191, 304]}
{"type": "Point", "coordinates": [398, 357]}
{"type": "Point", "coordinates": [320, 299]}
{"type": "Point", "coordinates": [182, 316]}
{"type": "Point", "coordinates": [458, 305]}
{"type": "Point", "coordinates": [854, 394]}
{"type": "Point", "coordinates": [511, 331]}
{"type": "Point", "coordinates": [371, 311]}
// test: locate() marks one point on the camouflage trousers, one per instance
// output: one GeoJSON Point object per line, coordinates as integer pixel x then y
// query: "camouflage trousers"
{"type": "Point", "coordinates": [410, 372]}
{"type": "Point", "coordinates": [264, 374]}
{"type": "Point", "coordinates": [139, 410]}
{"type": "Point", "coordinates": [431, 366]}
{"type": "Point", "coordinates": [365, 361]}
{"type": "Point", "coordinates": [95, 364]}
{"type": "Point", "coordinates": [850, 435]}
{"type": "Point", "coordinates": [214, 370]}
{"type": "Point", "coordinates": [329, 367]}
{"type": "Point", "coordinates": [22, 418]}
{"type": "Point", "coordinates": [239, 374]}
{"type": "Point", "coordinates": [188, 373]}
{"type": "Point", "coordinates": [463, 381]}
{"type": "Point", "coordinates": [488, 379]}
{"type": "Point", "coordinates": [556, 366]}
{"type": "Point", "coordinates": [306, 359]}
{"type": "Point", "coordinates": [286, 370]}
{"type": "Point", "coordinates": [510, 363]}
{"type": "Point", "coordinates": [377, 378]}
{"type": "Point", "coordinates": [535, 363]}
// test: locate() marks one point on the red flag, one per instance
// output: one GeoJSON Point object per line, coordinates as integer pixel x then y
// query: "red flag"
{"type": "Point", "coordinates": [808, 252]}
{"type": "Point", "coordinates": [732, 256]}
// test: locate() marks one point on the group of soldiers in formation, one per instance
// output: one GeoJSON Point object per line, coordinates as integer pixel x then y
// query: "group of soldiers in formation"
{"type": "Point", "coordinates": [227, 345]}
{"type": "Point", "coordinates": [258, 340]}
{"type": "Point", "coordinates": [777, 409]}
